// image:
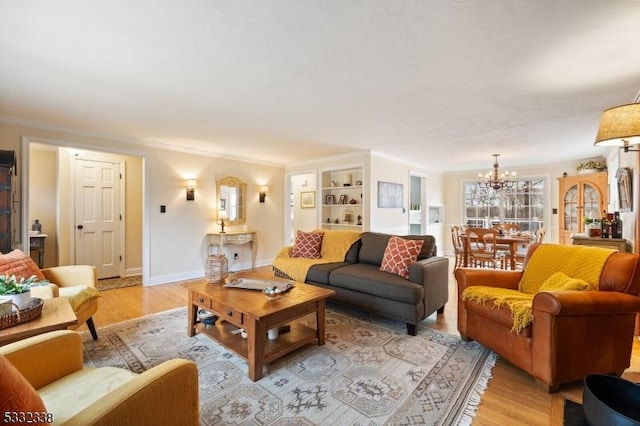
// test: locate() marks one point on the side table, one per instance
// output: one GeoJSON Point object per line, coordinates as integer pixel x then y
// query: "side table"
{"type": "Point", "coordinates": [57, 314]}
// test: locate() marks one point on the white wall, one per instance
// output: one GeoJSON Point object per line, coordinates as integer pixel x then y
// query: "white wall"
{"type": "Point", "coordinates": [304, 219]}
{"type": "Point", "coordinates": [174, 242]}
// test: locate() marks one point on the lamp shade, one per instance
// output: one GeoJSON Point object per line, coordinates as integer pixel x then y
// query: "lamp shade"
{"type": "Point", "coordinates": [619, 126]}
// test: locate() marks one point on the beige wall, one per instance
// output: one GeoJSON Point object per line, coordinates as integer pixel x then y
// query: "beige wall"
{"type": "Point", "coordinates": [174, 244]}
{"type": "Point", "coordinates": [43, 203]}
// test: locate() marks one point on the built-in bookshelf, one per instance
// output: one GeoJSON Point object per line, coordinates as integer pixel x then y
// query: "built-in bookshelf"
{"type": "Point", "coordinates": [342, 198]}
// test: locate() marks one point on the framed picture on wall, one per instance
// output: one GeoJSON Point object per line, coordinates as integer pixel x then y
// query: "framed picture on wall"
{"type": "Point", "coordinates": [625, 195]}
{"type": "Point", "coordinates": [308, 199]}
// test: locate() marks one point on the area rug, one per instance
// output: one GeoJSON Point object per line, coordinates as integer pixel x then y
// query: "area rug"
{"type": "Point", "coordinates": [120, 282]}
{"type": "Point", "coordinates": [368, 372]}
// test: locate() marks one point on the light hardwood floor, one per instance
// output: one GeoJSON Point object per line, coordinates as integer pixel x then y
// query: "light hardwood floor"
{"type": "Point", "coordinates": [511, 398]}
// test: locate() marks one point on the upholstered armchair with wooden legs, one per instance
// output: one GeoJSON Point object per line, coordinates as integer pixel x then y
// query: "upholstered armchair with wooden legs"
{"type": "Point", "coordinates": [51, 378]}
{"type": "Point", "coordinates": [78, 284]}
{"type": "Point", "coordinates": [582, 304]}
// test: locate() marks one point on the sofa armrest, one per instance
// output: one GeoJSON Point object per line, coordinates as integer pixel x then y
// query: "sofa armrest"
{"type": "Point", "coordinates": [165, 394]}
{"type": "Point", "coordinates": [47, 357]}
{"type": "Point", "coordinates": [467, 277]}
{"type": "Point", "coordinates": [433, 274]}
{"type": "Point", "coordinates": [71, 275]}
{"type": "Point", "coordinates": [583, 303]}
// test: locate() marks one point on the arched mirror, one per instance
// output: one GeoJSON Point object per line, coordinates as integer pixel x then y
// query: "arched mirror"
{"type": "Point", "coordinates": [232, 195]}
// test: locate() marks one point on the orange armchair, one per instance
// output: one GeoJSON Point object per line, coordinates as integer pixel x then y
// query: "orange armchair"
{"type": "Point", "coordinates": [573, 334]}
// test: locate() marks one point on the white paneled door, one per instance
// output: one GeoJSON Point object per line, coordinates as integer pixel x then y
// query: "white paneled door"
{"type": "Point", "coordinates": [98, 216]}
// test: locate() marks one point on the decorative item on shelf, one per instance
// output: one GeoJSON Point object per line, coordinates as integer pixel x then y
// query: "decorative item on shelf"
{"type": "Point", "coordinates": [347, 217]}
{"type": "Point", "coordinates": [343, 199]}
{"type": "Point", "coordinates": [217, 268]}
{"type": "Point", "coordinates": [336, 221]}
{"type": "Point", "coordinates": [590, 166]}
{"type": "Point", "coordinates": [358, 183]}
{"type": "Point", "coordinates": [605, 226]}
{"type": "Point", "coordinates": [36, 226]}
{"type": "Point", "coordinates": [348, 179]}
{"type": "Point", "coordinates": [616, 226]}
{"type": "Point", "coordinates": [330, 199]}
{"type": "Point", "coordinates": [353, 201]}
{"type": "Point", "coordinates": [496, 180]}
{"type": "Point", "coordinates": [359, 220]}
{"type": "Point", "coordinates": [328, 220]}
{"type": "Point", "coordinates": [620, 126]}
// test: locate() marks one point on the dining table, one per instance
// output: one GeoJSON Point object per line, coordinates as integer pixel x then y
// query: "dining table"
{"type": "Point", "coordinates": [512, 240]}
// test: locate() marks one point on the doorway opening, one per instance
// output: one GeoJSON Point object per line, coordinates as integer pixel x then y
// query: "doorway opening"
{"type": "Point", "coordinates": [89, 204]}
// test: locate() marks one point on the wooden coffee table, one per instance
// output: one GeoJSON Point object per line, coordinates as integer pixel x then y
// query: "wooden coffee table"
{"type": "Point", "coordinates": [250, 310]}
{"type": "Point", "coordinates": [57, 314]}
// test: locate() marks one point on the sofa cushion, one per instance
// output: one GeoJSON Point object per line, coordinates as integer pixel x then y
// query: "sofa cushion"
{"type": "Point", "coordinates": [399, 254]}
{"type": "Point", "coordinates": [19, 264]}
{"type": "Point", "coordinates": [371, 280]}
{"type": "Point", "coordinates": [372, 247]}
{"type": "Point", "coordinates": [307, 245]}
{"type": "Point", "coordinates": [18, 396]}
{"type": "Point", "coordinates": [429, 248]}
{"type": "Point", "coordinates": [320, 273]}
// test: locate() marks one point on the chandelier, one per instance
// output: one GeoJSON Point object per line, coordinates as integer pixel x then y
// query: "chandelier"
{"type": "Point", "coordinates": [496, 180]}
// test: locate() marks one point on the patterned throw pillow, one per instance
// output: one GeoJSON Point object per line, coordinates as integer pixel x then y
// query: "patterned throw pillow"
{"type": "Point", "coordinates": [307, 244]}
{"type": "Point", "coordinates": [399, 254]}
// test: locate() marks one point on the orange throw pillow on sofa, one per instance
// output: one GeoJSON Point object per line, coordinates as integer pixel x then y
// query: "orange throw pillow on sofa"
{"type": "Point", "coordinates": [19, 264]}
{"type": "Point", "coordinates": [399, 254]}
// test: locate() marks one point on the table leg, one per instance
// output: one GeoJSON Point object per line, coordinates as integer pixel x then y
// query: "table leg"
{"type": "Point", "coordinates": [320, 320]}
{"type": "Point", "coordinates": [191, 316]}
{"type": "Point", "coordinates": [512, 254]}
{"type": "Point", "coordinates": [256, 341]}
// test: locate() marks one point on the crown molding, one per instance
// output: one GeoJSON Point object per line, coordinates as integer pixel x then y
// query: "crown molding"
{"type": "Point", "coordinates": [132, 141]}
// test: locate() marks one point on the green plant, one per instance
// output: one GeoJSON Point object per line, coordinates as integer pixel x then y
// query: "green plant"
{"type": "Point", "coordinates": [591, 165]}
{"type": "Point", "coordinates": [9, 284]}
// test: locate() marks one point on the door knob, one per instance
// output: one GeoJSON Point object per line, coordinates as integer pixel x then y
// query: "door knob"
{"type": "Point", "coordinates": [80, 226]}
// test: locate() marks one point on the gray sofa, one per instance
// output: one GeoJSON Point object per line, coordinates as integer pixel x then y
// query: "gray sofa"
{"type": "Point", "coordinates": [358, 281]}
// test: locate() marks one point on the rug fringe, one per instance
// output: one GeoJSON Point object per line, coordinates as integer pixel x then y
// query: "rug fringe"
{"type": "Point", "coordinates": [473, 402]}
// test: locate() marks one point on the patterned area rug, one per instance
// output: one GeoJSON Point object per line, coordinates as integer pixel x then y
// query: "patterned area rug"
{"type": "Point", "coordinates": [369, 372]}
{"type": "Point", "coordinates": [120, 282]}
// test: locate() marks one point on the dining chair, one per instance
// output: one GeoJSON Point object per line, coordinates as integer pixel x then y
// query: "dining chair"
{"type": "Point", "coordinates": [522, 251]}
{"type": "Point", "coordinates": [482, 250]}
{"type": "Point", "coordinates": [458, 246]}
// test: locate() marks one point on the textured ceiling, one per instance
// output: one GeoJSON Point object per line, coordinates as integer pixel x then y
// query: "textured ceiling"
{"type": "Point", "coordinates": [443, 84]}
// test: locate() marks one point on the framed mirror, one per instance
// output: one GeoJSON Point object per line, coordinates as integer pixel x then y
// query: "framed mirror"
{"type": "Point", "coordinates": [231, 199]}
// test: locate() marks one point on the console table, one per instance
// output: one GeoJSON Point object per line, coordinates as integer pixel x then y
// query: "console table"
{"type": "Point", "coordinates": [36, 243]}
{"type": "Point", "coordinates": [619, 244]}
{"type": "Point", "coordinates": [219, 239]}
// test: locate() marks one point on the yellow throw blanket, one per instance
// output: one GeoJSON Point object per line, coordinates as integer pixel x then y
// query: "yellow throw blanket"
{"type": "Point", "coordinates": [581, 262]}
{"type": "Point", "coordinates": [551, 267]}
{"type": "Point", "coordinates": [335, 245]}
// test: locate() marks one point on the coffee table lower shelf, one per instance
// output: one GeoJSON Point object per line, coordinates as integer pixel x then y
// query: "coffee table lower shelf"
{"type": "Point", "coordinates": [298, 336]}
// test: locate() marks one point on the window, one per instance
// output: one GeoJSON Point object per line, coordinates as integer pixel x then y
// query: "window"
{"type": "Point", "coordinates": [523, 204]}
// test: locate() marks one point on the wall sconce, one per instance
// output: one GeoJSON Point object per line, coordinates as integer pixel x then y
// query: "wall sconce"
{"type": "Point", "coordinates": [620, 126]}
{"type": "Point", "coordinates": [263, 192]}
{"type": "Point", "coordinates": [191, 189]}
{"type": "Point", "coordinates": [222, 214]}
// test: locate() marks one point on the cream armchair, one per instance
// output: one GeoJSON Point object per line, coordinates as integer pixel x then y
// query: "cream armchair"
{"type": "Point", "coordinates": [78, 284]}
{"type": "Point", "coordinates": [53, 364]}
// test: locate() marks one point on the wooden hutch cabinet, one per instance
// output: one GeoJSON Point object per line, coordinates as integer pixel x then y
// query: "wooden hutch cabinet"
{"type": "Point", "coordinates": [7, 167]}
{"type": "Point", "coordinates": [579, 196]}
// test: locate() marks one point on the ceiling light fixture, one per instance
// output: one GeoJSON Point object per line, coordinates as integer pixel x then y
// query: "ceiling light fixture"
{"type": "Point", "coordinates": [620, 126]}
{"type": "Point", "coordinates": [496, 180]}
